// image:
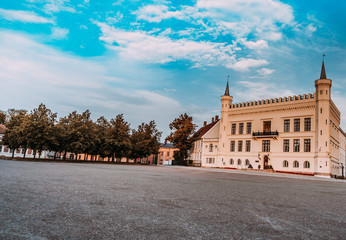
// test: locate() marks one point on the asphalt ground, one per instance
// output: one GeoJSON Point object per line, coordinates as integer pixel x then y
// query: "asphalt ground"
{"type": "Point", "coordinates": [42, 200]}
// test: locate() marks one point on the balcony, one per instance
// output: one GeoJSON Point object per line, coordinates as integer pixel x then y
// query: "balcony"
{"type": "Point", "coordinates": [273, 135]}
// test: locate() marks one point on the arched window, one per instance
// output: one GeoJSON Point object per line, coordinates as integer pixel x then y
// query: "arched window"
{"type": "Point", "coordinates": [231, 161]}
{"type": "Point", "coordinates": [296, 164]}
{"type": "Point", "coordinates": [211, 147]}
{"type": "Point", "coordinates": [306, 164]}
{"type": "Point", "coordinates": [285, 163]}
{"type": "Point", "coordinates": [247, 162]}
{"type": "Point", "coordinates": [239, 162]}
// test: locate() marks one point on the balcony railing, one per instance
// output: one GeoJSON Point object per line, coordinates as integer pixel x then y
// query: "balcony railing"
{"type": "Point", "coordinates": [265, 134]}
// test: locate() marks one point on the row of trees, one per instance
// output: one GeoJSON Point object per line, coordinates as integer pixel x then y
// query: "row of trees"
{"type": "Point", "coordinates": [77, 133]}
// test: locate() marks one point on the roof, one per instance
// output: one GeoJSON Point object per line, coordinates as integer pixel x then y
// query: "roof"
{"type": "Point", "coordinates": [203, 130]}
{"type": "Point", "coordinates": [323, 71]}
{"type": "Point", "coordinates": [167, 145]}
{"type": "Point", "coordinates": [227, 90]}
{"type": "Point", "coordinates": [2, 129]}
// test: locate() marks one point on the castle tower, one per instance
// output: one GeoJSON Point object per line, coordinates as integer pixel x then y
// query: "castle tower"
{"type": "Point", "coordinates": [322, 139]}
{"type": "Point", "coordinates": [226, 102]}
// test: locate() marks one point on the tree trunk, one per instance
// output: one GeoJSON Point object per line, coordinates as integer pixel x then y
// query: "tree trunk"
{"type": "Point", "coordinates": [76, 158]}
{"type": "Point", "coordinates": [65, 155]}
{"type": "Point", "coordinates": [13, 153]}
{"type": "Point", "coordinates": [54, 155]}
{"type": "Point", "coordinates": [39, 154]}
{"type": "Point", "coordinates": [34, 154]}
{"type": "Point", "coordinates": [24, 153]}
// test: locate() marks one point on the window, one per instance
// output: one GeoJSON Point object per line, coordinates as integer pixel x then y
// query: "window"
{"type": "Point", "coordinates": [167, 154]}
{"type": "Point", "coordinates": [248, 128]}
{"type": "Point", "coordinates": [248, 146]}
{"type": "Point", "coordinates": [231, 161]}
{"type": "Point", "coordinates": [240, 146]}
{"type": "Point", "coordinates": [297, 125]}
{"type": "Point", "coordinates": [321, 92]}
{"type": "Point", "coordinates": [296, 164]}
{"type": "Point", "coordinates": [306, 164]}
{"type": "Point", "coordinates": [247, 162]}
{"type": "Point", "coordinates": [286, 145]}
{"type": "Point", "coordinates": [296, 145]}
{"type": "Point", "coordinates": [233, 128]}
{"type": "Point", "coordinates": [241, 128]}
{"type": "Point", "coordinates": [286, 125]}
{"type": "Point", "coordinates": [285, 163]}
{"type": "Point", "coordinates": [211, 147]}
{"type": "Point", "coordinates": [307, 145]}
{"type": "Point", "coordinates": [307, 124]}
{"type": "Point", "coordinates": [239, 162]}
{"type": "Point", "coordinates": [210, 160]}
{"type": "Point", "coordinates": [232, 146]}
{"type": "Point", "coordinates": [266, 146]}
{"type": "Point", "coordinates": [266, 126]}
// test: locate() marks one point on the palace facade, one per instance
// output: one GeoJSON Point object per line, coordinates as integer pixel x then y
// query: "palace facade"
{"type": "Point", "coordinates": [297, 134]}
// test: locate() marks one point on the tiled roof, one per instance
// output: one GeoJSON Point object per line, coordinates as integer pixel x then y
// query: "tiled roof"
{"type": "Point", "coordinates": [2, 129]}
{"type": "Point", "coordinates": [167, 145]}
{"type": "Point", "coordinates": [203, 130]}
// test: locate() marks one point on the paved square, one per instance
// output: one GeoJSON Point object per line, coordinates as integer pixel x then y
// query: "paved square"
{"type": "Point", "coordinates": [99, 201]}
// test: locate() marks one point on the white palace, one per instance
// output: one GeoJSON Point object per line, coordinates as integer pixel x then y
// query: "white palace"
{"type": "Point", "coordinates": [297, 134]}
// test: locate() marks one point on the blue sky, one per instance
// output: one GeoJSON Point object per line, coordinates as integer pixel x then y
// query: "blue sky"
{"type": "Point", "coordinates": [158, 59]}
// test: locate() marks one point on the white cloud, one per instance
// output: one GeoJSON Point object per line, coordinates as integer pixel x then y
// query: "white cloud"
{"type": "Point", "coordinates": [33, 73]}
{"type": "Point", "coordinates": [264, 18]}
{"type": "Point", "coordinates": [161, 49]}
{"type": "Point", "coordinates": [251, 91]}
{"type": "Point", "coordinates": [260, 44]}
{"type": "Point", "coordinates": [265, 72]}
{"type": "Point", "coordinates": [53, 6]}
{"type": "Point", "coordinates": [156, 13]}
{"type": "Point", "coordinates": [59, 33]}
{"type": "Point", "coordinates": [23, 16]}
{"type": "Point", "coordinates": [245, 63]}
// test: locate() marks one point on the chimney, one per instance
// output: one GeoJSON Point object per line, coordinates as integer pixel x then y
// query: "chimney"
{"type": "Point", "coordinates": [205, 123]}
{"type": "Point", "coordinates": [212, 119]}
{"type": "Point", "coordinates": [217, 118]}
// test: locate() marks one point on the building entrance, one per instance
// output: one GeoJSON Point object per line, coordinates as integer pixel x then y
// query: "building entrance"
{"type": "Point", "coordinates": [265, 162]}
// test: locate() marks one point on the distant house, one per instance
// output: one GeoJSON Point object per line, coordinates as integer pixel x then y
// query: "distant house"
{"type": "Point", "coordinates": [208, 135]}
{"type": "Point", "coordinates": [166, 154]}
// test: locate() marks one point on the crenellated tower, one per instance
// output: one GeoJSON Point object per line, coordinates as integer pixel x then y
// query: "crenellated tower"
{"type": "Point", "coordinates": [226, 101]}
{"type": "Point", "coordinates": [322, 118]}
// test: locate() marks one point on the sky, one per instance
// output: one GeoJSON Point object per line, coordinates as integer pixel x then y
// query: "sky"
{"type": "Point", "coordinates": [154, 60]}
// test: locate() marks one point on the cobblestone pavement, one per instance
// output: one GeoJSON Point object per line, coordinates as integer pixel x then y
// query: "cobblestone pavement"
{"type": "Point", "coordinates": [102, 201]}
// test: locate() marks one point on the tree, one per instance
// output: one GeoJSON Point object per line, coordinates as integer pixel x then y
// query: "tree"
{"type": "Point", "coordinates": [119, 137]}
{"type": "Point", "coordinates": [145, 140]}
{"type": "Point", "coordinates": [101, 144]}
{"type": "Point", "coordinates": [3, 117]}
{"type": "Point", "coordinates": [14, 136]}
{"type": "Point", "coordinates": [39, 129]}
{"type": "Point", "coordinates": [182, 136]}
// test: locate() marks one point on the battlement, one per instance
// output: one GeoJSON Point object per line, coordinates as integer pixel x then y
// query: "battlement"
{"type": "Point", "coordinates": [303, 97]}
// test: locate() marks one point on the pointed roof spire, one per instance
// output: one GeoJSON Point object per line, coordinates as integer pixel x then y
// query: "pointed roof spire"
{"type": "Point", "coordinates": [323, 70]}
{"type": "Point", "coordinates": [227, 88]}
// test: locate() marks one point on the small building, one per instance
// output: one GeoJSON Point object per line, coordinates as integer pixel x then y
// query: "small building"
{"type": "Point", "coordinates": [206, 136]}
{"type": "Point", "coordinates": [166, 154]}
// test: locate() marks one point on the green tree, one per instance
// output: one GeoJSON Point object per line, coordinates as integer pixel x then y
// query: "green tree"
{"type": "Point", "coordinates": [101, 144]}
{"type": "Point", "coordinates": [3, 117]}
{"type": "Point", "coordinates": [145, 140]}
{"type": "Point", "coordinates": [39, 128]}
{"type": "Point", "coordinates": [13, 136]}
{"type": "Point", "coordinates": [119, 137]}
{"type": "Point", "coordinates": [182, 136]}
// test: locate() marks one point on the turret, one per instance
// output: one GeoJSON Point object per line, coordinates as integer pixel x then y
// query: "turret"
{"type": "Point", "coordinates": [323, 97]}
{"type": "Point", "coordinates": [226, 101]}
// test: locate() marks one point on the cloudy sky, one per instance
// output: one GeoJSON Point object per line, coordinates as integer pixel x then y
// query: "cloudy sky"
{"type": "Point", "coordinates": [157, 59]}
